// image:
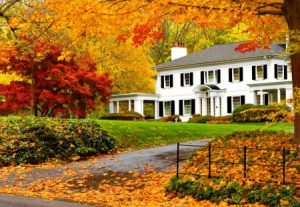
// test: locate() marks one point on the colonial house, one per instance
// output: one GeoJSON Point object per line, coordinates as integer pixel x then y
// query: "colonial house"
{"type": "Point", "coordinates": [213, 82]}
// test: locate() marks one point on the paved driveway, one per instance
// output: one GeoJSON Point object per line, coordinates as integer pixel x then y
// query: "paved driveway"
{"type": "Point", "coordinates": [158, 159]}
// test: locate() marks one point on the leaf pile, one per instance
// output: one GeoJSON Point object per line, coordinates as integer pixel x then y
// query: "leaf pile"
{"type": "Point", "coordinates": [264, 161]}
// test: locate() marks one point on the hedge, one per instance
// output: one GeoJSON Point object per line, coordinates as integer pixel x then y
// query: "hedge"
{"type": "Point", "coordinates": [131, 116]}
{"type": "Point", "coordinates": [36, 140]}
{"type": "Point", "coordinates": [197, 118]}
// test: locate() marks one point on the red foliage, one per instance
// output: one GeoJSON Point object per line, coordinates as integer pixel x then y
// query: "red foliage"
{"type": "Point", "coordinates": [144, 32]}
{"type": "Point", "coordinates": [247, 47]}
{"type": "Point", "coordinates": [61, 88]}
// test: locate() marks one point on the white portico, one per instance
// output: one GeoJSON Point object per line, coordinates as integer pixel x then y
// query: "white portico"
{"type": "Point", "coordinates": [132, 102]}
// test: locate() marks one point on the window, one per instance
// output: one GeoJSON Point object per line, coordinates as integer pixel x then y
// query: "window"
{"type": "Point", "coordinates": [279, 71]}
{"type": "Point", "coordinates": [187, 79]}
{"type": "Point", "coordinates": [259, 72]}
{"type": "Point", "coordinates": [167, 108]}
{"type": "Point", "coordinates": [167, 80]}
{"type": "Point", "coordinates": [236, 74]}
{"type": "Point", "coordinates": [236, 102]}
{"type": "Point", "coordinates": [187, 107]}
{"type": "Point", "coordinates": [210, 77]}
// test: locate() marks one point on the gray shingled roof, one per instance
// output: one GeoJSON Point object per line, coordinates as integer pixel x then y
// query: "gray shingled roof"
{"type": "Point", "coordinates": [221, 53]}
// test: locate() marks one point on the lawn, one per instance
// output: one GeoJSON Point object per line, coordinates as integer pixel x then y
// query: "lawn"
{"type": "Point", "coordinates": [139, 134]}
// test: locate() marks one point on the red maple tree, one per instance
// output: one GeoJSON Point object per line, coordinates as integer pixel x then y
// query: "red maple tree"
{"type": "Point", "coordinates": [51, 86]}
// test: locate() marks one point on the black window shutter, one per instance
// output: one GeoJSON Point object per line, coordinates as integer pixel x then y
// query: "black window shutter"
{"type": "Point", "coordinates": [241, 74]}
{"type": "Point", "coordinates": [229, 102]}
{"type": "Point", "coordinates": [285, 72]}
{"type": "Point", "coordinates": [253, 73]}
{"type": "Point", "coordinates": [181, 107]}
{"type": "Point", "coordinates": [191, 79]}
{"type": "Point", "coordinates": [181, 79]}
{"type": "Point", "coordinates": [202, 77]}
{"type": "Point", "coordinates": [171, 81]}
{"type": "Point", "coordinates": [265, 71]}
{"type": "Point", "coordinates": [161, 109]}
{"type": "Point", "coordinates": [193, 106]}
{"type": "Point", "coordinates": [276, 72]}
{"type": "Point", "coordinates": [172, 107]}
{"type": "Point", "coordinates": [242, 100]}
{"type": "Point", "coordinates": [230, 74]}
{"type": "Point", "coordinates": [219, 76]}
{"type": "Point", "coordinates": [162, 81]}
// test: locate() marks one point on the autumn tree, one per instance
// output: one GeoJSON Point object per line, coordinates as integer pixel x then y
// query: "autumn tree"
{"type": "Point", "coordinates": [193, 37]}
{"type": "Point", "coordinates": [50, 85]}
{"type": "Point", "coordinates": [266, 20]}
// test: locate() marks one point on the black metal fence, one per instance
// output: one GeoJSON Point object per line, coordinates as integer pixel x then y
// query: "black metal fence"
{"type": "Point", "coordinates": [245, 162]}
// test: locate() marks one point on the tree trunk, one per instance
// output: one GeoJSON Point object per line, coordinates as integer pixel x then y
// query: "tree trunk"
{"type": "Point", "coordinates": [292, 15]}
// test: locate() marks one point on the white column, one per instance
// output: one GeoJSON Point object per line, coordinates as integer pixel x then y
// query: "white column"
{"type": "Point", "coordinates": [278, 95]}
{"type": "Point", "coordinates": [261, 97]}
{"type": "Point", "coordinates": [212, 106]}
{"type": "Point", "coordinates": [217, 108]}
{"type": "Point", "coordinates": [118, 105]}
{"type": "Point", "coordinates": [142, 107]}
{"type": "Point", "coordinates": [156, 110]}
{"type": "Point", "coordinates": [254, 101]}
{"type": "Point", "coordinates": [197, 105]}
{"type": "Point", "coordinates": [111, 107]}
{"type": "Point", "coordinates": [204, 106]}
{"type": "Point", "coordinates": [137, 106]}
{"type": "Point", "coordinates": [129, 105]}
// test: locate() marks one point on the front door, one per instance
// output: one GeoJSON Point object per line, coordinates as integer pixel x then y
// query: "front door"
{"type": "Point", "coordinates": [208, 108]}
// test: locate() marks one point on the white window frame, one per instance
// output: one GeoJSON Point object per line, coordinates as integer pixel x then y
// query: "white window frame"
{"type": "Point", "coordinates": [167, 83]}
{"type": "Point", "coordinates": [240, 102]}
{"type": "Point", "coordinates": [185, 76]}
{"type": "Point", "coordinates": [239, 75]}
{"type": "Point", "coordinates": [167, 109]}
{"type": "Point", "coordinates": [282, 72]}
{"type": "Point", "coordinates": [262, 72]}
{"type": "Point", "coordinates": [185, 112]}
{"type": "Point", "coordinates": [214, 79]}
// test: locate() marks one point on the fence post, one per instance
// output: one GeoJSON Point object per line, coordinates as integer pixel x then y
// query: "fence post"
{"type": "Point", "coordinates": [177, 161]}
{"type": "Point", "coordinates": [245, 161]}
{"type": "Point", "coordinates": [283, 165]}
{"type": "Point", "coordinates": [209, 160]}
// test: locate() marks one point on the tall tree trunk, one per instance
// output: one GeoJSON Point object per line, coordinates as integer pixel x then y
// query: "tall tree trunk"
{"type": "Point", "coordinates": [292, 15]}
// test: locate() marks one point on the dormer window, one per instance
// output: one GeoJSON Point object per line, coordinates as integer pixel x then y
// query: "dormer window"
{"type": "Point", "coordinates": [259, 72]}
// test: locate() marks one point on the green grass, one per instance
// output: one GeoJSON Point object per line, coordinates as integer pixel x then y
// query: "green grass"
{"type": "Point", "coordinates": [138, 134]}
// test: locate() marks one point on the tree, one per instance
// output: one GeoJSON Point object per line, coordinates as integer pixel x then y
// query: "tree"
{"type": "Point", "coordinates": [50, 85]}
{"type": "Point", "coordinates": [267, 21]}
{"type": "Point", "coordinates": [193, 37]}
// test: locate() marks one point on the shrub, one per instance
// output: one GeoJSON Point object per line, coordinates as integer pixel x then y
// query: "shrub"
{"type": "Point", "coordinates": [220, 120]}
{"type": "Point", "coordinates": [130, 115]}
{"type": "Point", "coordinates": [234, 193]}
{"type": "Point", "coordinates": [260, 115]}
{"type": "Point", "coordinates": [197, 118]}
{"type": "Point", "coordinates": [36, 140]}
{"type": "Point", "coordinates": [172, 118]}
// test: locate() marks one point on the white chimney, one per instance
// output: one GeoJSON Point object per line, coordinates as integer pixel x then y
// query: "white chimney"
{"type": "Point", "coordinates": [178, 50]}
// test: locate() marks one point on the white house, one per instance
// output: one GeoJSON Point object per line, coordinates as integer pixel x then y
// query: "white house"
{"type": "Point", "coordinates": [214, 82]}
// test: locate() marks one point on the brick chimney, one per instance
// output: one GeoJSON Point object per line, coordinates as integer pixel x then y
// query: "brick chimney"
{"type": "Point", "coordinates": [178, 50]}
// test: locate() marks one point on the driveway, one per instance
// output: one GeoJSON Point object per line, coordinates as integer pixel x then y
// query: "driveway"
{"type": "Point", "coordinates": [156, 159]}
